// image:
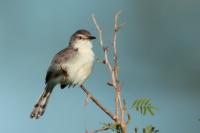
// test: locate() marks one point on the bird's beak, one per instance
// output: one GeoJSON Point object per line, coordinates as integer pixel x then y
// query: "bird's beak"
{"type": "Point", "coordinates": [91, 37]}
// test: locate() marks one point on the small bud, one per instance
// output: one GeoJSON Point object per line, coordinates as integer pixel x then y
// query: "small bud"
{"type": "Point", "coordinates": [104, 61]}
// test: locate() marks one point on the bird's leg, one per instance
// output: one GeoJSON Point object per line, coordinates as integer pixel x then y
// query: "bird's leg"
{"type": "Point", "coordinates": [64, 72]}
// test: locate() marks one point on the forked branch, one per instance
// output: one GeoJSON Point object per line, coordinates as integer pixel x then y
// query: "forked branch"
{"type": "Point", "coordinates": [120, 108]}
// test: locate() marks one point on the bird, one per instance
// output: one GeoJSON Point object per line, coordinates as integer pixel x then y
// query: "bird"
{"type": "Point", "coordinates": [69, 67]}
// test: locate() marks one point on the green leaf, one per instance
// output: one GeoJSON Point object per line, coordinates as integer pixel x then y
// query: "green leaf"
{"type": "Point", "coordinates": [145, 111]}
{"type": "Point", "coordinates": [141, 109]}
{"type": "Point", "coordinates": [150, 110]}
{"type": "Point", "coordinates": [137, 109]}
{"type": "Point", "coordinates": [134, 104]}
{"type": "Point", "coordinates": [147, 102]}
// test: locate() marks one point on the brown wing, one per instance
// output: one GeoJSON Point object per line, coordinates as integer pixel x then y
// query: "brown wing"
{"type": "Point", "coordinates": [64, 55]}
{"type": "Point", "coordinates": [60, 58]}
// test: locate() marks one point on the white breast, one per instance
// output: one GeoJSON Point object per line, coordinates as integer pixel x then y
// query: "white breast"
{"type": "Point", "coordinates": [81, 66]}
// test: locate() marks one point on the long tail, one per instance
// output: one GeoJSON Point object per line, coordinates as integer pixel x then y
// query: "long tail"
{"type": "Point", "coordinates": [41, 104]}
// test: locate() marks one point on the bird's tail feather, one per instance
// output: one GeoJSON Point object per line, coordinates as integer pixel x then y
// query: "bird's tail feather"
{"type": "Point", "coordinates": [41, 104]}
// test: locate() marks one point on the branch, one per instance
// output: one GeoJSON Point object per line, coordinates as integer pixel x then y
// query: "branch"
{"type": "Point", "coordinates": [107, 62]}
{"type": "Point", "coordinates": [113, 68]}
{"type": "Point", "coordinates": [116, 29]}
{"type": "Point", "coordinates": [98, 103]}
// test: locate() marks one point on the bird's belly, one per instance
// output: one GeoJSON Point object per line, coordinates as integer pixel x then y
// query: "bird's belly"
{"type": "Point", "coordinates": [80, 73]}
{"type": "Point", "coordinates": [79, 69]}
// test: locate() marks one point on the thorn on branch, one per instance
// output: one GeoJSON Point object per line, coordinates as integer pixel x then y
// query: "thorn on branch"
{"type": "Point", "coordinates": [104, 61]}
{"type": "Point", "coordinates": [110, 83]}
{"type": "Point", "coordinates": [116, 29]}
{"type": "Point", "coordinates": [124, 104]}
{"type": "Point", "coordinates": [86, 101]}
{"type": "Point", "coordinates": [105, 49]}
{"type": "Point", "coordinates": [100, 61]}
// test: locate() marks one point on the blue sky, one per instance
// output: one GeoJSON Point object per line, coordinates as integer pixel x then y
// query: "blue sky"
{"type": "Point", "coordinates": [159, 57]}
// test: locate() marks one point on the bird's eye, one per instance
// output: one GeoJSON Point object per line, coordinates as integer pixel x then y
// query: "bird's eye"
{"type": "Point", "coordinates": [79, 37]}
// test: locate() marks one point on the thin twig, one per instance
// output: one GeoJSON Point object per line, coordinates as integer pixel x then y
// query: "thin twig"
{"type": "Point", "coordinates": [101, 129]}
{"type": "Point", "coordinates": [99, 30]}
{"type": "Point", "coordinates": [121, 107]}
{"type": "Point", "coordinates": [116, 28]}
{"type": "Point", "coordinates": [97, 103]}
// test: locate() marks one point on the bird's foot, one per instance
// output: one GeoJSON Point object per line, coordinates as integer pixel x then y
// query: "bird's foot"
{"type": "Point", "coordinates": [37, 111]}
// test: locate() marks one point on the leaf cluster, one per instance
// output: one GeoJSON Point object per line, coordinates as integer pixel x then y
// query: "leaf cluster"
{"type": "Point", "coordinates": [144, 106]}
{"type": "Point", "coordinates": [150, 129]}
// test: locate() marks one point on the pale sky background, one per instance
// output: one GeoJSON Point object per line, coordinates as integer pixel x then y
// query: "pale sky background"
{"type": "Point", "coordinates": [159, 57]}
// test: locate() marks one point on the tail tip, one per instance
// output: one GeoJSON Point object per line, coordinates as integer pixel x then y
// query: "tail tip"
{"type": "Point", "coordinates": [37, 112]}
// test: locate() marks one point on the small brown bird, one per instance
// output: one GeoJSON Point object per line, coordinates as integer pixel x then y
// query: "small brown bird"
{"type": "Point", "coordinates": [69, 67]}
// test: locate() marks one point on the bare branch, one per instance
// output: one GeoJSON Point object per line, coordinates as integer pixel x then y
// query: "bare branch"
{"type": "Point", "coordinates": [98, 103]}
{"type": "Point", "coordinates": [107, 62]}
{"type": "Point", "coordinates": [113, 68]}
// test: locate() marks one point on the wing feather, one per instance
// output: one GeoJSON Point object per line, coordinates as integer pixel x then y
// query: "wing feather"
{"type": "Point", "coordinates": [61, 57]}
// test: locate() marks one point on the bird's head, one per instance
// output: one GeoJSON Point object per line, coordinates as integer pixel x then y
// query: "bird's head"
{"type": "Point", "coordinates": [82, 38]}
